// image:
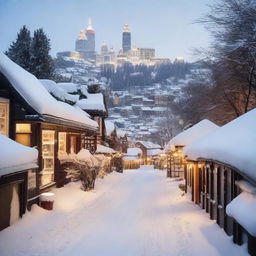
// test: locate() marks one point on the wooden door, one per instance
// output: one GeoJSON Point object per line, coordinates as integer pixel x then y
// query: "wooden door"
{"type": "Point", "coordinates": [9, 204]}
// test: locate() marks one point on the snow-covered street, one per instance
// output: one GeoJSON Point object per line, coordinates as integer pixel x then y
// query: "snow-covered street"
{"type": "Point", "coordinates": [137, 213]}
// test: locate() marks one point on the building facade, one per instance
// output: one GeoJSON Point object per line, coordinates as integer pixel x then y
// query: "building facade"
{"type": "Point", "coordinates": [85, 43]}
{"type": "Point", "coordinates": [126, 43]}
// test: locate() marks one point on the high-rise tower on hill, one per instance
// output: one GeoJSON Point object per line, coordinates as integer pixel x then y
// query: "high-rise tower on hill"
{"type": "Point", "coordinates": [85, 43]}
{"type": "Point", "coordinates": [126, 39]}
{"type": "Point", "coordinates": [90, 34]}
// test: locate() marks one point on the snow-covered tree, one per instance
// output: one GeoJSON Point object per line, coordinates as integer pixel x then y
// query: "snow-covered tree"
{"type": "Point", "coordinates": [41, 62]}
{"type": "Point", "coordinates": [19, 50]}
{"type": "Point", "coordinates": [233, 51]}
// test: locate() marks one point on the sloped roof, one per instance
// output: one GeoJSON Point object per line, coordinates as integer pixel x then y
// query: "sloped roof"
{"type": "Point", "coordinates": [149, 144]}
{"type": "Point", "coordinates": [35, 94]}
{"type": "Point", "coordinates": [233, 144]}
{"type": "Point", "coordinates": [15, 157]}
{"type": "Point", "coordinates": [190, 135]}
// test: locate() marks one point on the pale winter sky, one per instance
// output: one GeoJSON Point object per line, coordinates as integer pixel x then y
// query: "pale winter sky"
{"type": "Point", "coordinates": [166, 25]}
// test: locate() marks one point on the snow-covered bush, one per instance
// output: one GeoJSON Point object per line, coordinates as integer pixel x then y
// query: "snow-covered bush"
{"type": "Point", "coordinates": [85, 167]}
{"type": "Point", "coordinates": [105, 165]}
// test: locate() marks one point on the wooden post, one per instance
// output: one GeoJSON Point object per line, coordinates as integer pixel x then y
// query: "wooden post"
{"type": "Point", "coordinates": [196, 183]}
{"type": "Point", "coordinates": [251, 244]}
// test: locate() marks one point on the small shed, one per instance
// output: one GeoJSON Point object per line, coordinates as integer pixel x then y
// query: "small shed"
{"type": "Point", "coordinates": [18, 165]}
{"type": "Point", "coordinates": [174, 149]}
{"type": "Point", "coordinates": [148, 148]}
{"type": "Point", "coordinates": [133, 158]}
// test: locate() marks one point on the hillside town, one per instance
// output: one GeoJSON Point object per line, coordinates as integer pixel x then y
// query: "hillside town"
{"type": "Point", "coordinates": [122, 152]}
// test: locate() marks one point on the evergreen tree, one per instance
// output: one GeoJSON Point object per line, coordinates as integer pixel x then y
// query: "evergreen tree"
{"type": "Point", "coordinates": [41, 62]}
{"type": "Point", "coordinates": [19, 51]}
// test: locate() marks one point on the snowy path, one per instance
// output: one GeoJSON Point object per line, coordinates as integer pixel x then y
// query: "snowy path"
{"type": "Point", "coordinates": [138, 213]}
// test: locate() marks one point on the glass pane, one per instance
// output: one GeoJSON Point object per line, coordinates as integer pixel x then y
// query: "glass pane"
{"type": "Point", "coordinates": [48, 156]}
{"type": "Point", "coordinates": [4, 114]}
{"type": "Point", "coordinates": [23, 128]}
{"type": "Point", "coordinates": [62, 144]}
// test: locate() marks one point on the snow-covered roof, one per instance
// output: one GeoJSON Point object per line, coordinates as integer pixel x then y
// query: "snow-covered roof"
{"type": "Point", "coordinates": [149, 144]}
{"type": "Point", "coordinates": [133, 151]}
{"type": "Point", "coordinates": [68, 87]}
{"type": "Point", "coordinates": [192, 134]}
{"type": "Point", "coordinates": [104, 150]}
{"type": "Point", "coordinates": [233, 144]}
{"type": "Point", "coordinates": [94, 101]}
{"type": "Point", "coordinates": [15, 157]}
{"type": "Point", "coordinates": [154, 152]}
{"type": "Point", "coordinates": [36, 95]}
{"type": "Point", "coordinates": [110, 127]}
{"type": "Point", "coordinates": [58, 91]}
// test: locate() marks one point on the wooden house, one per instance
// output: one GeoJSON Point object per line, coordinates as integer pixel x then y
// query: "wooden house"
{"type": "Point", "coordinates": [221, 177]}
{"type": "Point", "coordinates": [92, 102]}
{"type": "Point", "coordinates": [174, 149]}
{"type": "Point", "coordinates": [95, 106]}
{"type": "Point", "coordinates": [149, 150]}
{"type": "Point", "coordinates": [18, 165]}
{"type": "Point", "coordinates": [133, 158]}
{"type": "Point", "coordinates": [32, 117]}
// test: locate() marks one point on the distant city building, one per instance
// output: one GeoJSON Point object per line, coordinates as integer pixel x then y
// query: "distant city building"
{"type": "Point", "coordinates": [90, 50]}
{"type": "Point", "coordinates": [126, 43]}
{"type": "Point", "coordinates": [160, 60]}
{"type": "Point", "coordinates": [81, 42]}
{"type": "Point", "coordinates": [107, 56]}
{"type": "Point", "coordinates": [146, 53]}
{"type": "Point", "coordinates": [104, 48]}
{"type": "Point", "coordinates": [85, 43]}
{"type": "Point", "coordinates": [179, 60]}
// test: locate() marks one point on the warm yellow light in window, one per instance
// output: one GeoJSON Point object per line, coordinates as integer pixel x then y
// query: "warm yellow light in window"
{"type": "Point", "coordinates": [23, 128]}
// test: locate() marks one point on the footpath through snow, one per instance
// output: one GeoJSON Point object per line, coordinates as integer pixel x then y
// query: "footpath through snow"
{"type": "Point", "coordinates": [138, 213]}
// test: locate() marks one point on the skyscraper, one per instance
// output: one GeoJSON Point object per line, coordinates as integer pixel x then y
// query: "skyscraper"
{"type": "Point", "coordinates": [90, 34]}
{"type": "Point", "coordinates": [81, 42]}
{"type": "Point", "coordinates": [126, 39]}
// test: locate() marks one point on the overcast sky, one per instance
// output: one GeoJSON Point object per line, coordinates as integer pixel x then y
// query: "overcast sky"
{"type": "Point", "coordinates": [166, 25]}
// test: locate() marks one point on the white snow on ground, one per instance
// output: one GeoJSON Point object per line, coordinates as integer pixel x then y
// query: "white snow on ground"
{"type": "Point", "coordinates": [138, 213]}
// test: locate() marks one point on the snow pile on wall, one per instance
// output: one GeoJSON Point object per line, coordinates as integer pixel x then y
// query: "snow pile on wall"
{"type": "Point", "coordinates": [192, 134]}
{"type": "Point", "coordinates": [94, 101]}
{"type": "Point", "coordinates": [233, 144]}
{"type": "Point", "coordinates": [15, 157]}
{"type": "Point", "coordinates": [104, 150]}
{"type": "Point", "coordinates": [242, 209]}
{"type": "Point", "coordinates": [30, 88]}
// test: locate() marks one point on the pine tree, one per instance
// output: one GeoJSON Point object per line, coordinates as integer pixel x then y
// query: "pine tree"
{"type": "Point", "coordinates": [19, 51]}
{"type": "Point", "coordinates": [41, 62]}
